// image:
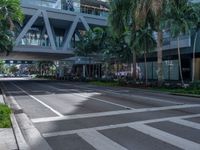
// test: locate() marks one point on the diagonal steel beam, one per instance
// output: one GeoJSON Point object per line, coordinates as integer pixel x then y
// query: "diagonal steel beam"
{"type": "Point", "coordinates": [85, 24]}
{"type": "Point", "coordinates": [49, 31]}
{"type": "Point", "coordinates": [28, 26]}
{"type": "Point", "coordinates": [70, 33]}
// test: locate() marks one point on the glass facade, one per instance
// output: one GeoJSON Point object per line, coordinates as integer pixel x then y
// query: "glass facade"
{"type": "Point", "coordinates": [37, 36]}
{"type": "Point", "coordinates": [69, 5]}
{"type": "Point", "coordinates": [56, 4]}
{"type": "Point", "coordinates": [170, 70]}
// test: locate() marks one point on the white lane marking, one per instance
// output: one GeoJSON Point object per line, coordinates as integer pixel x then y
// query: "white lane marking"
{"type": "Point", "coordinates": [166, 137]}
{"type": "Point", "coordinates": [59, 133]}
{"type": "Point", "coordinates": [186, 123]}
{"type": "Point", "coordinates": [111, 113]}
{"type": "Point", "coordinates": [47, 106]}
{"type": "Point", "coordinates": [99, 141]}
{"type": "Point", "coordinates": [130, 95]}
{"type": "Point", "coordinates": [97, 99]}
{"type": "Point", "coordinates": [84, 96]}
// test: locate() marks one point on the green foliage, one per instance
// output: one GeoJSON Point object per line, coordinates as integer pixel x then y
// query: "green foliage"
{"type": "Point", "coordinates": [10, 16]}
{"type": "Point", "coordinates": [2, 66]}
{"type": "Point", "coordinates": [180, 17]}
{"type": "Point", "coordinates": [116, 49]}
{"type": "Point", "coordinates": [6, 42]}
{"type": "Point", "coordinates": [46, 67]}
{"type": "Point", "coordinates": [90, 43]}
{"type": "Point", "coordinates": [195, 84]}
{"type": "Point", "coordinates": [13, 69]}
{"type": "Point", "coordinates": [120, 16]}
{"type": "Point", "coordinates": [5, 116]}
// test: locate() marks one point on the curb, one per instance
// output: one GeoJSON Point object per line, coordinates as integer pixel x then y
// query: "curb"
{"type": "Point", "coordinates": [188, 95]}
{"type": "Point", "coordinates": [21, 143]}
{"type": "Point", "coordinates": [31, 134]}
{"type": "Point", "coordinates": [26, 135]}
{"type": "Point", "coordinates": [9, 100]}
{"type": "Point", "coordinates": [19, 138]}
{"type": "Point", "coordinates": [161, 92]}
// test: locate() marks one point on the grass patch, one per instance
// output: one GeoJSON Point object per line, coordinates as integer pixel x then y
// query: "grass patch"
{"type": "Point", "coordinates": [5, 116]}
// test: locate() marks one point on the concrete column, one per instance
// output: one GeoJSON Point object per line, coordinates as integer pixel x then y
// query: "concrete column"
{"type": "Point", "coordinates": [197, 69]}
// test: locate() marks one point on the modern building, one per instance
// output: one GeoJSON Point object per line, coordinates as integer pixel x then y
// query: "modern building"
{"type": "Point", "coordinates": [170, 58]}
{"type": "Point", "coordinates": [51, 28]}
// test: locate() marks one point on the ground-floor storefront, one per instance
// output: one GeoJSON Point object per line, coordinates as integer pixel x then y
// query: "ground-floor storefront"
{"type": "Point", "coordinates": [171, 70]}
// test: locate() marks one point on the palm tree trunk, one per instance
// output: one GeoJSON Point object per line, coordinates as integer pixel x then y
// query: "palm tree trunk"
{"type": "Point", "coordinates": [117, 69]}
{"type": "Point", "coordinates": [90, 67]}
{"type": "Point", "coordinates": [12, 26]}
{"type": "Point", "coordinates": [106, 73]}
{"type": "Point", "coordinates": [99, 71]}
{"type": "Point", "coordinates": [159, 57]}
{"type": "Point", "coordinates": [134, 65]}
{"type": "Point", "coordinates": [146, 73]}
{"type": "Point", "coordinates": [179, 61]}
{"type": "Point", "coordinates": [193, 57]}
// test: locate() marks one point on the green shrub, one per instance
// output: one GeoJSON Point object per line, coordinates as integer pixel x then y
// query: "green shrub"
{"type": "Point", "coordinates": [195, 84]}
{"type": "Point", "coordinates": [5, 116]}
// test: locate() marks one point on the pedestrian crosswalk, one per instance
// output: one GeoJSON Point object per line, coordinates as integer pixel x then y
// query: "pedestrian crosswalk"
{"type": "Point", "coordinates": [96, 139]}
{"type": "Point", "coordinates": [100, 141]}
{"type": "Point", "coordinates": [166, 137]}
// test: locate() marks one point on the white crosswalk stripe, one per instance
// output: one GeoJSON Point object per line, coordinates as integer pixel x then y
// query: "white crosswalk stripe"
{"type": "Point", "coordinates": [186, 123]}
{"type": "Point", "coordinates": [99, 141]}
{"type": "Point", "coordinates": [166, 137]}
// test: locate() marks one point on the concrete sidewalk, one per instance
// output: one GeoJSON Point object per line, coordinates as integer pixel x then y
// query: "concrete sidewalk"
{"type": "Point", "coordinates": [7, 139]}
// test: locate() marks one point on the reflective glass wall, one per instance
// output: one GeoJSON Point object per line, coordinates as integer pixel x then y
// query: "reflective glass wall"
{"type": "Point", "coordinates": [56, 4]}
{"type": "Point", "coordinates": [70, 5]}
{"type": "Point", "coordinates": [170, 70]}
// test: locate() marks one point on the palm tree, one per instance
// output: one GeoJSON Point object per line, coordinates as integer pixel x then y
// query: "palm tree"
{"type": "Point", "coordinates": [145, 43]}
{"type": "Point", "coordinates": [157, 10]}
{"type": "Point", "coordinates": [122, 20]}
{"type": "Point", "coordinates": [10, 15]}
{"type": "Point", "coordinates": [90, 44]}
{"type": "Point", "coordinates": [132, 14]}
{"type": "Point", "coordinates": [197, 27]}
{"type": "Point", "coordinates": [181, 18]}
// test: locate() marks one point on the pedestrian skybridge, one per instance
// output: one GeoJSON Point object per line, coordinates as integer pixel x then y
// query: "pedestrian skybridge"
{"type": "Point", "coordinates": [51, 29]}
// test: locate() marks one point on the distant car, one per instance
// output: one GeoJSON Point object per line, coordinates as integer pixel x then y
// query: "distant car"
{"type": "Point", "coordinates": [1, 75]}
{"type": "Point", "coordinates": [12, 75]}
{"type": "Point", "coordinates": [5, 75]}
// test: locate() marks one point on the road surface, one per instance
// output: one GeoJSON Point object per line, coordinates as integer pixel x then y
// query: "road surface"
{"type": "Point", "coordinates": [78, 116]}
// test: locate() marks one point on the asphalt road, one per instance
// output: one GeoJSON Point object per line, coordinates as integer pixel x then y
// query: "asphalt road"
{"type": "Point", "coordinates": [78, 116]}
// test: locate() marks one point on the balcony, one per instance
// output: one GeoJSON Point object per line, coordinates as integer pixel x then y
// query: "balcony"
{"type": "Point", "coordinates": [79, 6]}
